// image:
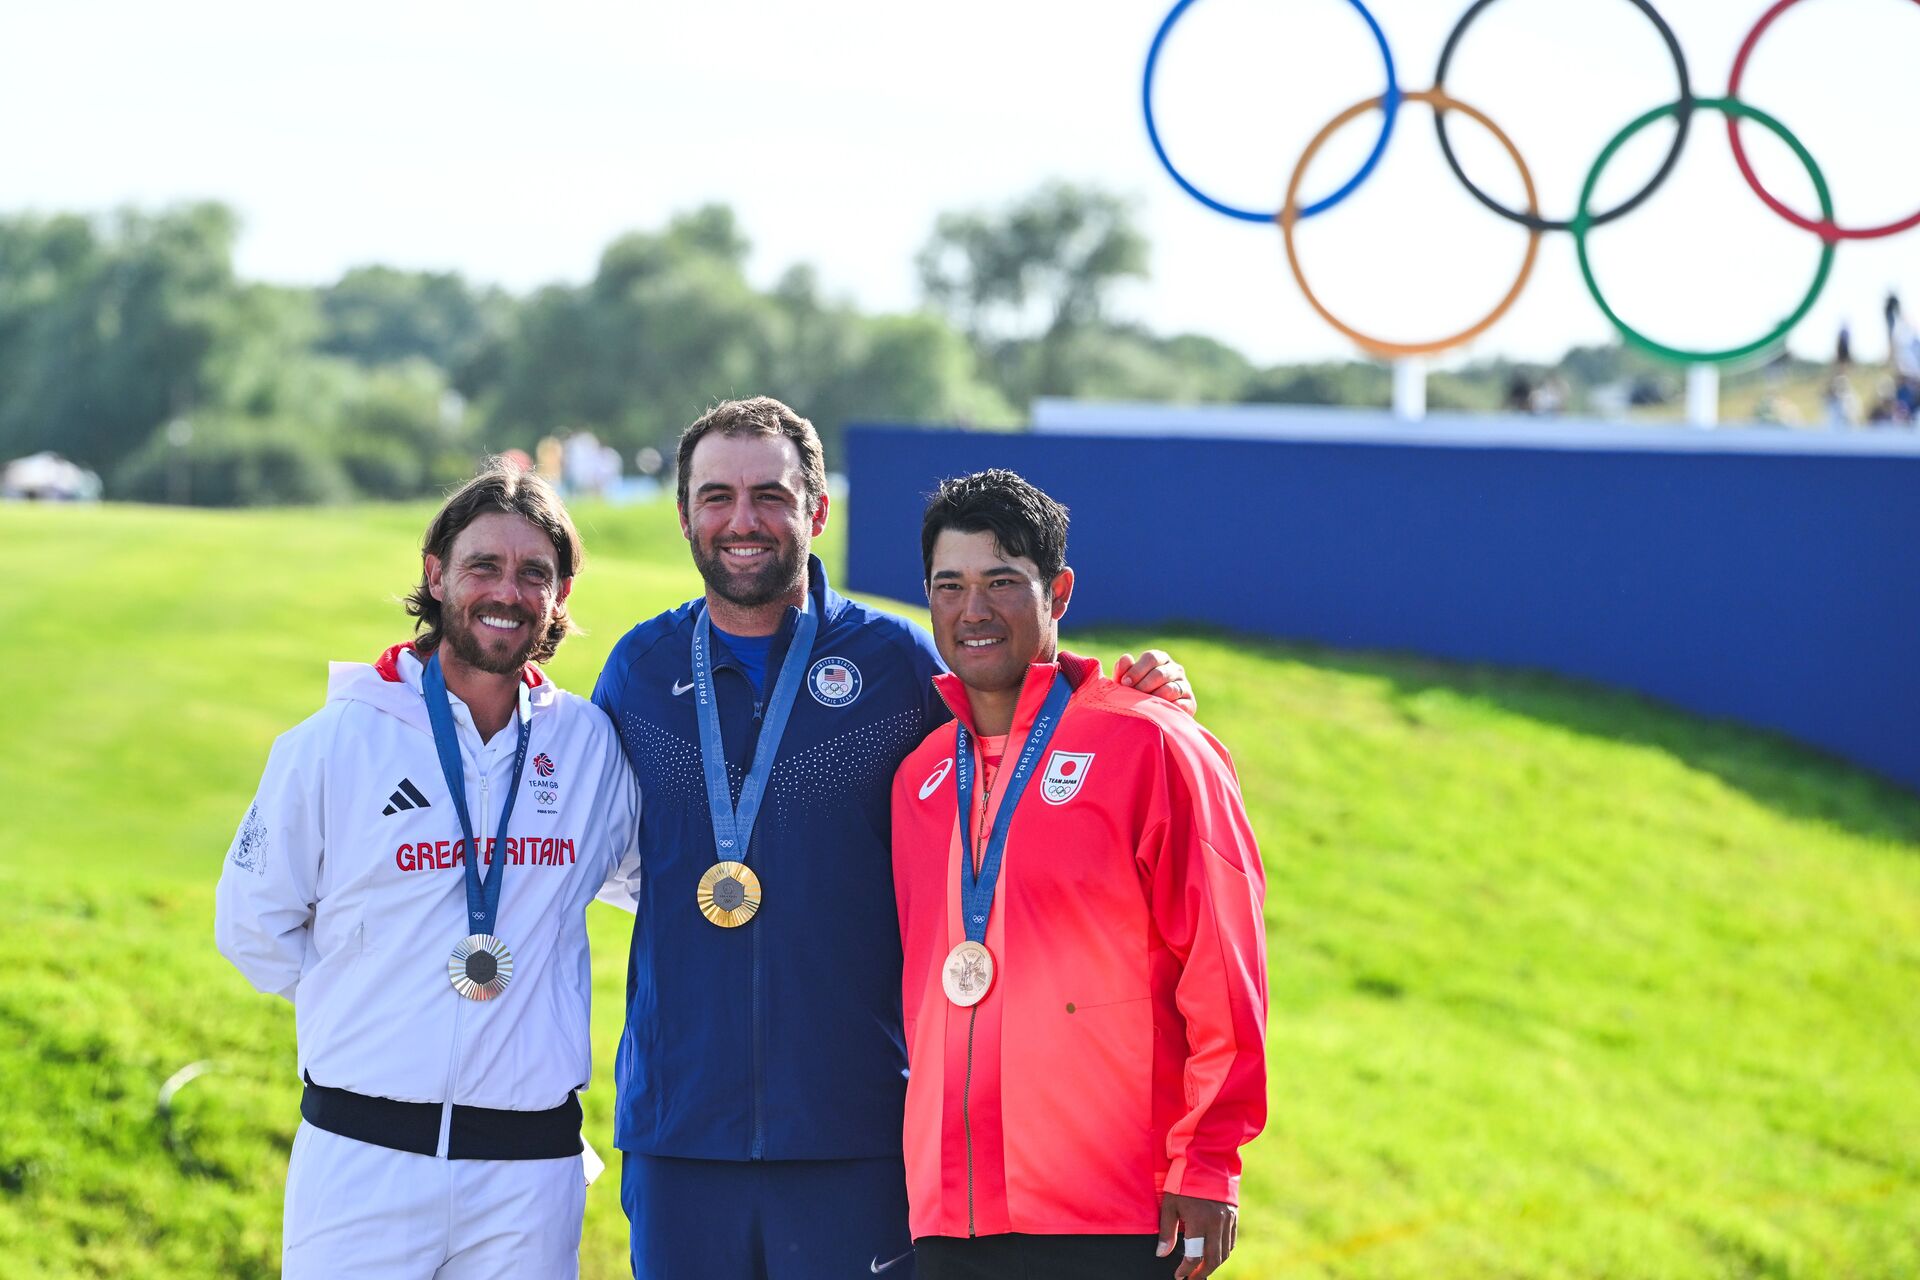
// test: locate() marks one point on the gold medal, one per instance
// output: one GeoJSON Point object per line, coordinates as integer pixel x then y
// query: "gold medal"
{"type": "Point", "coordinates": [480, 967]}
{"type": "Point", "coordinates": [729, 894]}
{"type": "Point", "coordinates": [968, 974]}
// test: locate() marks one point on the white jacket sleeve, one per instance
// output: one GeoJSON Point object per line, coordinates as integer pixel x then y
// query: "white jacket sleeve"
{"type": "Point", "coordinates": [622, 887]}
{"type": "Point", "coordinates": [263, 908]}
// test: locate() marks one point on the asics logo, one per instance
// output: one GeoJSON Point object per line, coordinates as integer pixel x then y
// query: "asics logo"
{"type": "Point", "coordinates": [877, 1266]}
{"type": "Point", "coordinates": [938, 776]}
{"type": "Point", "coordinates": [679, 688]}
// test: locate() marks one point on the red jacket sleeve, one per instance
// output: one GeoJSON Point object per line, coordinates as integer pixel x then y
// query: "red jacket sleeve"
{"type": "Point", "coordinates": [1207, 890]}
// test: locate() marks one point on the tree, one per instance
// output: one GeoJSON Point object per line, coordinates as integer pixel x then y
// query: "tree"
{"type": "Point", "coordinates": [378, 315]}
{"type": "Point", "coordinates": [107, 326]}
{"type": "Point", "coordinates": [1042, 271]}
{"type": "Point", "coordinates": [668, 324]}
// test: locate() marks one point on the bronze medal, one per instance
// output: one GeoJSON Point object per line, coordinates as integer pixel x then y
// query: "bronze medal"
{"type": "Point", "coordinates": [967, 975]}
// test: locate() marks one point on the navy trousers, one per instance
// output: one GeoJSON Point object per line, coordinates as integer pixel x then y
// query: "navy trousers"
{"type": "Point", "coordinates": [767, 1219]}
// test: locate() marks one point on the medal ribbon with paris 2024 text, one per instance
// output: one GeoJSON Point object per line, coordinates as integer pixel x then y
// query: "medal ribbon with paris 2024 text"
{"type": "Point", "coordinates": [733, 824]}
{"type": "Point", "coordinates": [483, 900]}
{"type": "Point", "coordinates": [976, 890]}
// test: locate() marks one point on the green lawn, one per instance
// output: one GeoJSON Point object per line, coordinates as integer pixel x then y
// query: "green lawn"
{"type": "Point", "coordinates": [1565, 984]}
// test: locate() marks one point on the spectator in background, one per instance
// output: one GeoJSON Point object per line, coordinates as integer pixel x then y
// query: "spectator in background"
{"type": "Point", "coordinates": [584, 465]}
{"type": "Point", "coordinates": [1551, 396]}
{"type": "Point", "coordinates": [1885, 411]}
{"type": "Point", "coordinates": [547, 456]}
{"type": "Point", "coordinates": [1903, 354]}
{"type": "Point", "coordinates": [1519, 394]}
{"type": "Point", "coordinates": [1842, 402]}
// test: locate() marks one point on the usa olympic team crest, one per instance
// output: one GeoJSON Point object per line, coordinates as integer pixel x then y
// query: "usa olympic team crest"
{"type": "Point", "coordinates": [834, 682]}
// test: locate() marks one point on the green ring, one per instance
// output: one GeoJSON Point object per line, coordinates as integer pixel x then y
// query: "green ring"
{"type": "Point", "coordinates": [1583, 223]}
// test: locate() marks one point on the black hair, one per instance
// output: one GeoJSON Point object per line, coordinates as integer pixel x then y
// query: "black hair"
{"type": "Point", "coordinates": [1023, 520]}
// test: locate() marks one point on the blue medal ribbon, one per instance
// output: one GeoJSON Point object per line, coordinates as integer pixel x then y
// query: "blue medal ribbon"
{"type": "Point", "coordinates": [483, 900]}
{"type": "Point", "coordinates": [976, 890]}
{"type": "Point", "coordinates": [733, 824]}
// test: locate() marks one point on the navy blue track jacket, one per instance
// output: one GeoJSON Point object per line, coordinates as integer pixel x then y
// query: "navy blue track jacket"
{"type": "Point", "coordinates": [780, 1039]}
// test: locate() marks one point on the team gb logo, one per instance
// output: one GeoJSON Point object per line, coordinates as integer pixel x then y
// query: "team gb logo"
{"type": "Point", "coordinates": [834, 681]}
{"type": "Point", "coordinates": [1066, 770]}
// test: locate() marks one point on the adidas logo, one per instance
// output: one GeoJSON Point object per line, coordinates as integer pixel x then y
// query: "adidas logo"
{"type": "Point", "coordinates": [407, 797]}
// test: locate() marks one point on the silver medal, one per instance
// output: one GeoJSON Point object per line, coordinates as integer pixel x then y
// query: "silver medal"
{"type": "Point", "coordinates": [480, 967]}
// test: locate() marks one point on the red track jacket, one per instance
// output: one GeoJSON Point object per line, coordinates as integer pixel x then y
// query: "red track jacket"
{"type": "Point", "coordinates": [1121, 1048]}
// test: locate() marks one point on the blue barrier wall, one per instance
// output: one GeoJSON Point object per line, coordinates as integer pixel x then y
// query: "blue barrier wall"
{"type": "Point", "coordinates": [1773, 586]}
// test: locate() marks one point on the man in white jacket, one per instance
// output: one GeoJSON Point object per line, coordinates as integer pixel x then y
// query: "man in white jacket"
{"type": "Point", "coordinates": [440, 997]}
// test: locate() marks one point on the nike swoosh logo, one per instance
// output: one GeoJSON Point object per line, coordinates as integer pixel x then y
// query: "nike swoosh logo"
{"type": "Point", "coordinates": [877, 1266]}
{"type": "Point", "coordinates": [679, 688]}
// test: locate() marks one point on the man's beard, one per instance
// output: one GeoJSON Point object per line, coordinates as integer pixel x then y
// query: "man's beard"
{"type": "Point", "coordinates": [782, 573]}
{"type": "Point", "coordinates": [463, 639]}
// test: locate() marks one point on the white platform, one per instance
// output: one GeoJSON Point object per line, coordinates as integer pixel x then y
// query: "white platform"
{"type": "Point", "coordinates": [1318, 424]}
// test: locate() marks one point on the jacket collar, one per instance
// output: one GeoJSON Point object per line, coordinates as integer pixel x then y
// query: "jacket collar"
{"type": "Point", "coordinates": [827, 605]}
{"type": "Point", "coordinates": [388, 665]}
{"type": "Point", "coordinates": [829, 602]}
{"type": "Point", "coordinates": [1033, 690]}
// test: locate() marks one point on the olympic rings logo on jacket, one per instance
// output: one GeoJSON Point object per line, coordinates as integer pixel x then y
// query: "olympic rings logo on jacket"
{"type": "Point", "coordinates": [1585, 218]}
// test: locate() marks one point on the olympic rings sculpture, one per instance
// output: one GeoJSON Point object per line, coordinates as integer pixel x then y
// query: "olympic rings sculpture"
{"type": "Point", "coordinates": [1585, 218]}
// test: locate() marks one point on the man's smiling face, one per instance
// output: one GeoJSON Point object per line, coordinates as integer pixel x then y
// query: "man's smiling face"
{"type": "Point", "coordinates": [993, 614]}
{"type": "Point", "coordinates": [499, 589]}
{"type": "Point", "coordinates": [749, 519]}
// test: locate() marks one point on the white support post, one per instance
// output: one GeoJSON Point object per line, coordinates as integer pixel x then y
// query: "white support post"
{"type": "Point", "coordinates": [1410, 388]}
{"type": "Point", "coordinates": [1703, 395]}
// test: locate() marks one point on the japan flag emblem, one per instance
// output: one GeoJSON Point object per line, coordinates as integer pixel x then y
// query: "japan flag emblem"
{"type": "Point", "coordinates": [1066, 770]}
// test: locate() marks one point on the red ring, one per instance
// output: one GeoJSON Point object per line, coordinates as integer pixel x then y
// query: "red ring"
{"type": "Point", "coordinates": [1827, 229]}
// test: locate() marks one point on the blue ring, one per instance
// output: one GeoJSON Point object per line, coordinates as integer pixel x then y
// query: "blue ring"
{"type": "Point", "coordinates": [1390, 110]}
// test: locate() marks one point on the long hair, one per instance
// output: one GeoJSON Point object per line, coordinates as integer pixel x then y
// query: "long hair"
{"type": "Point", "coordinates": [504, 488]}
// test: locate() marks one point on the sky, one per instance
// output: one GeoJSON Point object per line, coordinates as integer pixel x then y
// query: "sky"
{"type": "Point", "coordinates": [512, 142]}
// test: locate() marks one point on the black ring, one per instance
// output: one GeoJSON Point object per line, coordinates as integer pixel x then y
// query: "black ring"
{"type": "Point", "coordinates": [1683, 118]}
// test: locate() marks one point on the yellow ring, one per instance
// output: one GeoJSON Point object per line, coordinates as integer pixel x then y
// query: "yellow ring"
{"type": "Point", "coordinates": [1439, 100]}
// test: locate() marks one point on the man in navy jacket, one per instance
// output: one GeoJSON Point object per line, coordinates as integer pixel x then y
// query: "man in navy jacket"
{"type": "Point", "coordinates": [762, 1072]}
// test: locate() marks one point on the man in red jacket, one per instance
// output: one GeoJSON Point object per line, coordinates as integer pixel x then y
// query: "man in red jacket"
{"type": "Point", "coordinates": [1080, 913]}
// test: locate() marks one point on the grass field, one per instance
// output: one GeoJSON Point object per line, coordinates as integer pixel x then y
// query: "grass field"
{"type": "Point", "coordinates": [1564, 984]}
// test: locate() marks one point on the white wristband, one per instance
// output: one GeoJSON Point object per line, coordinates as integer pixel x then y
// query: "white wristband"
{"type": "Point", "coordinates": [1196, 1246]}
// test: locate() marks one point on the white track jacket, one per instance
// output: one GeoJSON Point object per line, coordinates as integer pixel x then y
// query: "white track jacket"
{"type": "Point", "coordinates": [345, 892]}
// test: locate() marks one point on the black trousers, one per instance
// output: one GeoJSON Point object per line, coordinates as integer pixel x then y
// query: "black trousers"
{"type": "Point", "coordinates": [1018, 1257]}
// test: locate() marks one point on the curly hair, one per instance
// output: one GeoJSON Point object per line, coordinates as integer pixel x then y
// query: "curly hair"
{"type": "Point", "coordinates": [507, 489]}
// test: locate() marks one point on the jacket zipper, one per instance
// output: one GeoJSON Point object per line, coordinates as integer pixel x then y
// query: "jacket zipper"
{"type": "Point", "coordinates": [453, 1048]}
{"type": "Point", "coordinates": [966, 1114]}
{"type": "Point", "coordinates": [757, 1035]}
{"type": "Point", "coordinates": [966, 1087]}
{"type": "Point", "coordinates": [973, 1019]}
{"type": "Point", "coordinates": [753, 949]}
